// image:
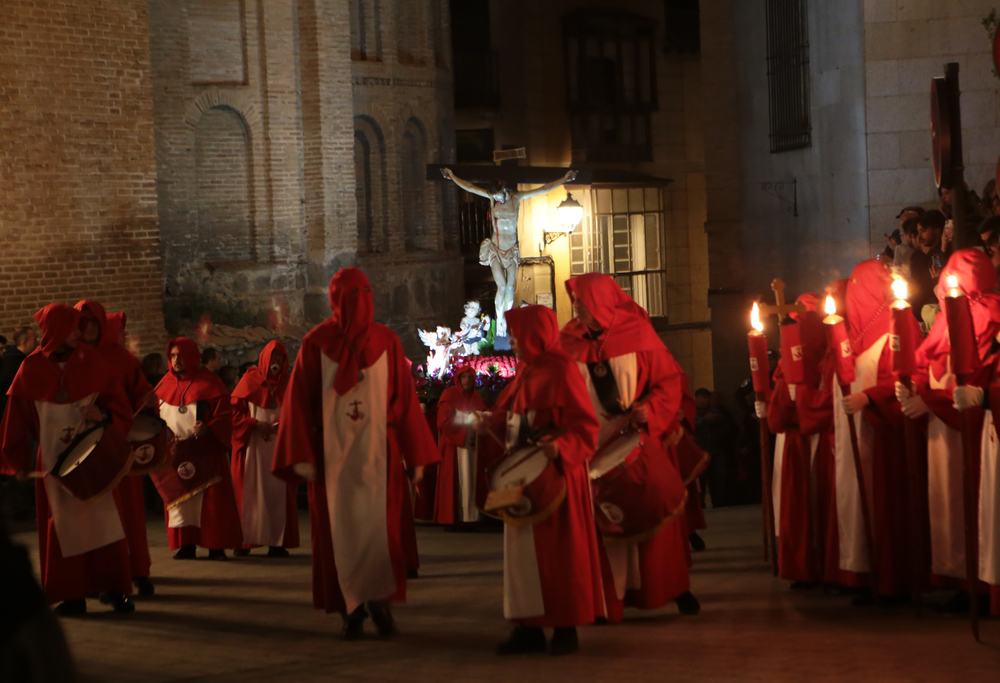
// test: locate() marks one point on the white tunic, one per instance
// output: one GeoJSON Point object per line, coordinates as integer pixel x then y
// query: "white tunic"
{"type": "Point", "coordinates": [945, 489]}
{"type": "Point", "coordinates": [989, 505]}
{"type": "Point", "coordinates": [80, 527]}
{"type": "Point", "coordinates": [187, 513]}
{"type": "Point", "coordinates": [265, 497]}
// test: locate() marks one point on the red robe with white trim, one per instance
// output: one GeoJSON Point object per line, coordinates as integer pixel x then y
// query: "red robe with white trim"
{"type": "Point", "coordinates": [218, 525]}
{"type": "Point", "coordinates": [350, 385]}
{"type": "Point", "coordinates": [128, 368]}
{"type": "Point", "coordinates": [271, 517]}
{"type": "Point", "coordinates": [452, 437]}
{"type": "Point", "coordinates": [105, 567]}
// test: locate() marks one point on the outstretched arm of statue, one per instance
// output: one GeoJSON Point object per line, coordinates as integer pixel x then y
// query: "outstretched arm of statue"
{"type": "Point", "coordinates": [464, 184]}
{"type": "Point", "coordinates": [547, 187]}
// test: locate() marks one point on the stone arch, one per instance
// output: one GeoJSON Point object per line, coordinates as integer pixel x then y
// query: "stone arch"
{"type": "Point", "coordinates": [371, 183]}
{"type": "Point", "coordinates": [224, 185]}
{"type": "Point", "coordinates": [413, 161]}
{"type": "Point", "coordinates": [366, 30]}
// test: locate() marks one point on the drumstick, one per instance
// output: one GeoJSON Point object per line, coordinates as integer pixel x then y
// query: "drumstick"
{"type": "Point", "coordinates": [142, 403]}
{"type": "Point", "coordinates": [554, 434]}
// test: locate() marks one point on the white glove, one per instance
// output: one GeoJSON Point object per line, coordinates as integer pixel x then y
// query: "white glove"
{"type": "Point", "coordinates": [305, 470]}
{"type": "Point", "coordinates": [791, 391]}
{"type": "Point", "coordinates": [761, 409]}
{"type": "Point", "coordinates": [967, 397]}
{"type": "Point", "coordinates": [914, 407]}
{"type": "Point", "coordinates": [902, 393]}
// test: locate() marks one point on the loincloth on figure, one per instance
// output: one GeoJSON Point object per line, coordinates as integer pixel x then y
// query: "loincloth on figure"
{"type": "Point", "coordinates": [488, 251]}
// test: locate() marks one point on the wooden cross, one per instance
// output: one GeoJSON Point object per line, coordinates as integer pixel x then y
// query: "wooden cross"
{"type": "Point", "coordinates": [780, 309]}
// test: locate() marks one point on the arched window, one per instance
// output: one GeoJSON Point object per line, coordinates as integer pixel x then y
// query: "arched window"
{"type": "Point", "coordinates": [366, 30]}
{"type": "Point", "coordinates": [413, 153]}
{"type": "Point", "coordinates": [223, 180]}
{"type": "Point", "coordinates": [370, 183]}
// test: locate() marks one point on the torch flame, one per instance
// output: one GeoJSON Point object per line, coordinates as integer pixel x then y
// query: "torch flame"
{"type": "Point", "coordinates": [755, 318]}
{"type": "Point", "coordinates": [953, 285]}
{"type": "Point", "coordinates": [831, 306]}
{"type": "Point", "coordinates": [899, 289]}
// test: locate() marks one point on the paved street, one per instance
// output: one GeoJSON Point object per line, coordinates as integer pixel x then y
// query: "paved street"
{"type": "Point", "coordinates": [251, 619]}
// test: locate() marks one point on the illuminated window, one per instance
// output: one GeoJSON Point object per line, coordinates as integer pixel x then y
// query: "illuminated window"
{"type": "Point", "coordinates": [623, 236]}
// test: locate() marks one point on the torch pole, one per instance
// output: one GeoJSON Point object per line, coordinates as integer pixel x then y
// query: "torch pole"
{"type": "Point", "coordinates": [866, 517]}
{"type": "Point", "coordinates": [767, 504]}
{"type": "Point", "coordinates": [971, 500]}
{"type": "Point", "coordinates": [917, 562]}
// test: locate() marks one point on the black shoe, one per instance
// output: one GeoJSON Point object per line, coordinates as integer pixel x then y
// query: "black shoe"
{"type": "Point", "coordinates": [523, 640]}
{"type": "Point", "coordinates": [564, 642]}
{"type": "Point", "coordinates": [687, 604]}
{"type": "Point", "coordinates": [71, 608]}
{"type": "Point", "coordinates": [241, 552]}
{"type": "Point", "coordinates": [119, 603]}
{"type": "Point", "coordinates": [276, 551]}
{"type": "Point", "coordinates": [803, 585]}
{"type": "Point", "coordinates": [143, 586]}
{"type": "Point", "coordinates": [217, 555]}
{"type": "Point", "coordinates": [187, 552]}
{"type": "Point", "coordinates": [412, 574]}
{"type": "Point", "coordinates": [354, 624]}
{"type": "Point", "coordinates": [382, 618]}
{"type": "Point", "coordinates": [697, 542]}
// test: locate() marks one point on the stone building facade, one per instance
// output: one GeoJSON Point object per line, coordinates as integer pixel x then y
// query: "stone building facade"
{"type": "Point", "coordinates": [291, 140]}
{"type": "Point", "coordinates": [869, 65]}
{"type": "Point", "coordinates": [77, 162]}
{"type": "Point", "coordinates": [614, 88]}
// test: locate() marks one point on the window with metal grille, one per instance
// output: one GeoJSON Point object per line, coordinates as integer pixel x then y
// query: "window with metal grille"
{"type": "Point", "coordinates": [623, 237]}
{"type": "Point", "coordinates": [788, 74]}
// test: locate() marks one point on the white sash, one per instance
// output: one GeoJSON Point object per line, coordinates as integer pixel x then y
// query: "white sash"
{"type": "Point", "coordinates": [181, 424]}
{"type": "Point", "coordinates": [265, 497]}
{"type": "Point", "coordinates": [989, 506]}
{"type": "Point", "coordinates": [945, 489]}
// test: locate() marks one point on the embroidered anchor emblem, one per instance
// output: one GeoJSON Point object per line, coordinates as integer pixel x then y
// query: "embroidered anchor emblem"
{"type": "Point", "coordinates": [355, 416]}
{"type": "Point", "coordinates": [67, 435]}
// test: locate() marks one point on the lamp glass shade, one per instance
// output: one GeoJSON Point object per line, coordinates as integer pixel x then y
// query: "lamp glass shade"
{"type": "Point", "coordinates": [570, 213]}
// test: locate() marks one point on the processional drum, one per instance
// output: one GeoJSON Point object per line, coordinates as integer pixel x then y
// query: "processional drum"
{"type": "Point", "coordinates": [525, 487]}
{"type": "Point", "coordinates": [637, 489]}
{"type": "Point", "coordinates": [152, 444]}
{"type": "Point", "coordinates": [93, 463]}
{"type": "Point", "coordinates": [194, 468]}
{"type": "Point", "coordinates": [691, 459]}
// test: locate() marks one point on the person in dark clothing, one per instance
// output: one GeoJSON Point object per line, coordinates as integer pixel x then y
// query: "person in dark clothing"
{"type": "Point", "coordinates": [24, 343]}
{"type": "Point", "coordinates": [153, 368]}
{"type": "Point", "coordinates": [924, 269]}
{"type": "Point", "coordinates": [710, 434]}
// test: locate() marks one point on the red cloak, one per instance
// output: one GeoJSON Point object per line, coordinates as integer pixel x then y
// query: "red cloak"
{"type": "Point", "coordinates": [201, 390]}
{"type": "Point", "coordinates": [39, 379]}
{"type": "Point", "coordinates": [254, 392]}
{"type": "Point", "coordinates": [451, 437]}
{"type": "Point", "coordinates": [355, 348]}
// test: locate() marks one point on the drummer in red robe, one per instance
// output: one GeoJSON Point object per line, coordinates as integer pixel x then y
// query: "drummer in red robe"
{"type": "Point", "coordinates": [552, 574]}
{"type": "Point", "coordinates": [60, 390]}
{"type": "Point", "coordinates": [934, 395]}
{"type": "Point", "coordinates": [881, 439]}
{"type": "Point", "coordinates": [349, 387]}
{"type": "Point", "coordinates": [798, 456]}
{"type": "Point", "coordinates": [631, 375]}
{"type": "Point", "coordinates": [102, 332]}
{"type": "Point", "coordinates": [195, 404]}
{"type": "Point", "coordinates": [455, 499]}
{"type": "Point", "coordinates": [267, 505]}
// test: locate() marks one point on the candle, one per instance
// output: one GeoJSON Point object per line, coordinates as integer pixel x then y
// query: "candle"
{"type": "Point", "coordinates": [791, 351]}
{"type": "Point", "coordinates": [902, 345]}
{"type": "Point", "coordinates": [837, 338]}
{"type": "Point", "coordinates": [964, 356]}
{"type": "Point", "coordinates": [759, 368]}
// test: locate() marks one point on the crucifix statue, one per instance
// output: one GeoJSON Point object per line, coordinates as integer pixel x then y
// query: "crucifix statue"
{"type": "Point", "coordinates": [500, 252]}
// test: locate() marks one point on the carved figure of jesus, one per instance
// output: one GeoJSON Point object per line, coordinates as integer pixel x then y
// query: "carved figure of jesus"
{"type": "Point", "coordinates": [500, 252]}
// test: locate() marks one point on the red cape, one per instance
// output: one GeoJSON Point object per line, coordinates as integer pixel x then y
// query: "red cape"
{"type": "Point", "coordinates": [197, 384]}
{"type": "Point", "coordinates": [254, 385]}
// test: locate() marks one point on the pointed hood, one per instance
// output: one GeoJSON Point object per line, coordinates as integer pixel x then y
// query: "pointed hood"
{"type": "Point", "coordinates": [353, 311]}
{"type": "Point", "coordinates": [626, 325]}
{"type": "Point", "coordinates": [57, 322]}
{"type": "Point", "coordinates": [255, 385]}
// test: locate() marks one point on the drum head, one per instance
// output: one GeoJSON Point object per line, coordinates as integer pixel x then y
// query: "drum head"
{"type": "Point", "coordinates": [518, 470]}
{"type": "Point", "coordinates": [614, 454]}
{"type": "Point", "coordinates": [83, 448]}
{"type": "Point", "coordinates": [145, 428]}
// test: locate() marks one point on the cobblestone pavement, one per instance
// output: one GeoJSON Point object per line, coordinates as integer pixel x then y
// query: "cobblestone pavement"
{"type": "Point", "coordinates": [251, 619]}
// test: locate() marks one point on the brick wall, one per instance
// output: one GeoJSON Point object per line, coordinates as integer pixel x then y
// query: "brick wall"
{"type": "Point", "coordinates": [78, 207]}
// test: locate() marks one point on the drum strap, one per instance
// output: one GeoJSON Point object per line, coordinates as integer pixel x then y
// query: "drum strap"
{"type": "Point", "coordinates": [606, 387]}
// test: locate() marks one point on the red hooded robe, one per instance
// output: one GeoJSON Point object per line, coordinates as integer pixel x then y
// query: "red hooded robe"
{"type": "Point", "coordinates": [82, 547]}
{"type": "Point", "coordinates": [644, 371]}
{"type": "Point", "coordinates": [128, 368]}
{"type": "Point", "coordinates": [209, 519]}
{"type": "Point", "coordinates": [267, 505]}
{"type": "Point", "coordinates": [451, 484]}
{"type": "Point", "coordinates": [349, 387]}
{"type": "Point", "coordinates": [552, 575]}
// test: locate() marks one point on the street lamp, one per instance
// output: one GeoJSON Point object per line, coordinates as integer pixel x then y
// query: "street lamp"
{"type": "Point", "coordinates": [570, 214]}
